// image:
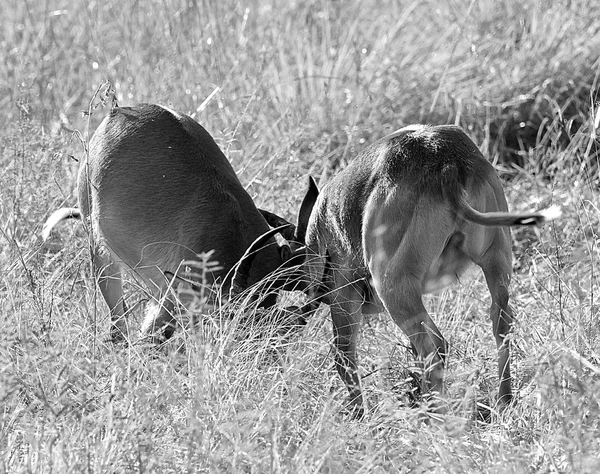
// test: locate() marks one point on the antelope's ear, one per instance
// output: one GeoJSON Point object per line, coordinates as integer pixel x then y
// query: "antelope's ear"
{"type": "Point", "coordinates": [274, 220]}
{"type": "Point", "coordinates": [306, 209]}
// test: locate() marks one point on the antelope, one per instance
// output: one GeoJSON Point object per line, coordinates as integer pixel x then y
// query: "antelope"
{"type": "Point", "coordinates": [406, 218]}
{"type": "Point", "coordinates": [155, 191]}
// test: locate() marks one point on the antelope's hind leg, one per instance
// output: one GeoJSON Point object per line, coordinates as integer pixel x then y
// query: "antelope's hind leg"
{"type": "Point", "coordinates": [496, 264]}
{"type": "Point", "coordinates": [108, 276]}
{"type": "Point", "coordinates": [399, 263]}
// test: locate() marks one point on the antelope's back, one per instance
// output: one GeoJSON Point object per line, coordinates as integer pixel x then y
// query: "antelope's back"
{"type": "Point", "coordinates": [414, 164]}
{"type": "Point", "coordinates": [162, 191]}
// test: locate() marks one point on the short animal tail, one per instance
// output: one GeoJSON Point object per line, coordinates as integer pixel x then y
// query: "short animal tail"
{"type": "Point", "coordinates": [506, 218]}
{"type": "Point", "coordinates": [57, 216]}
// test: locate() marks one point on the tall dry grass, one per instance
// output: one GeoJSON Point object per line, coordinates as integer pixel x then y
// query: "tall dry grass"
{"type": "Point", "coordinates": [289, 88]}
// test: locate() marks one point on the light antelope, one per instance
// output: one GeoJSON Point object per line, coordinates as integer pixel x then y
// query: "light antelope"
{"type": "Point", "coordinates": [406, 218]}
{"type": "Point", "coordinates": [156, 191]}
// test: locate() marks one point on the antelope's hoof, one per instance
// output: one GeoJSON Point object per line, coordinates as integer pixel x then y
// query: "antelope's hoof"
{"type": "Point", "coordinates": [354, 408]}
{"type": "Point", "coordinates": [118, 336]}
{"type": "Point", "coordinates": [483, 413]}
{"type": "Point", "coordinates": [153, 339]}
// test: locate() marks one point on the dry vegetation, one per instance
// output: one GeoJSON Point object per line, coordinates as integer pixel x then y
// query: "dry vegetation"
{"type": "Point", "coordinates": [289, 88]}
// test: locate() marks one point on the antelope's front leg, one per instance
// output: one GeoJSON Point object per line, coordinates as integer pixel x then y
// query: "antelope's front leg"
{"type": "Point", "coordinates": [346, 316]}
{"type": "Point", "coordinates": [159, 323]}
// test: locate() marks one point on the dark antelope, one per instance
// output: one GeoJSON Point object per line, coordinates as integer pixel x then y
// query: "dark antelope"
{"type": "Point", "coordinates": [406, 218]}
{"type": "Point", "coordinates": [155, 191]}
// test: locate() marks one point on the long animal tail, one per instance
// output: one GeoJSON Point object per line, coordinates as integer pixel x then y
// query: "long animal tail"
{"type": "Point", "coordinates": [57, 216]}
{"type": "Point", "coordinates": [506, 218]}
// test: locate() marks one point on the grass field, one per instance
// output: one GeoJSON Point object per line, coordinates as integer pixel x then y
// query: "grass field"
{"type": "Point", "coordinates": [288, 89]}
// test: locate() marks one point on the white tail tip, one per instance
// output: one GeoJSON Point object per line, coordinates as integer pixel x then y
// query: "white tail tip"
{"type": "Point", "coordinates": [56, 217]}
{"type": "Point", "coordinates": [553, 212]}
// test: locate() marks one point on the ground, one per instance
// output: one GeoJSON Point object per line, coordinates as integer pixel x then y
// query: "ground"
{"type": "Point", "coordinates": [291, 89]}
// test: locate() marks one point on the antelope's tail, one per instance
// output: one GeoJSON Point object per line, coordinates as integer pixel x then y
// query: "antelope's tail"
{"type": "Point", "coordinates": [57, 216]}
{"type": "Point", "coordinates": [465, 210]}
